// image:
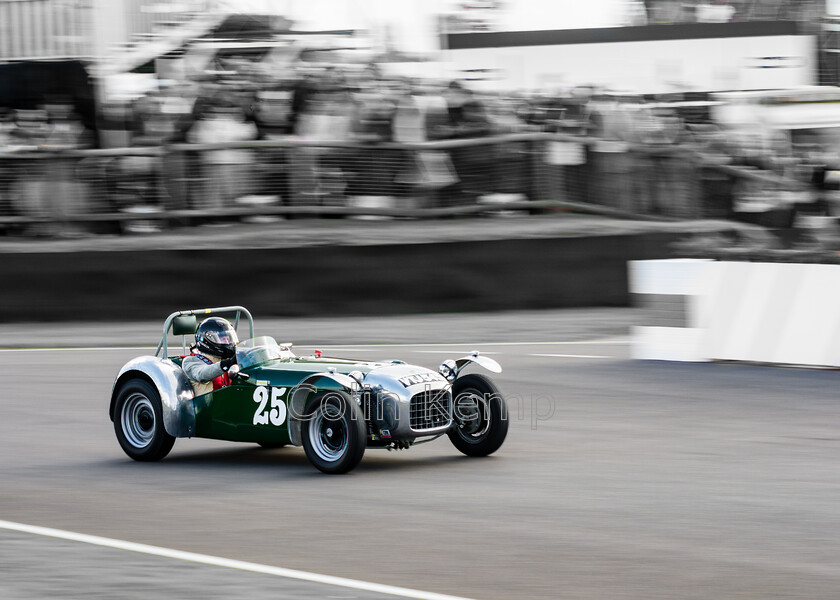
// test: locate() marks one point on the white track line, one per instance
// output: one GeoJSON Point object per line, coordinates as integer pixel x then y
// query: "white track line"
{"type": "Point", "coordinates": [227, 563]}
{"type": "Point", "coordinates": [339, 348]}
{"type": "Point", "coordinates": [611, 342]}
{"type": "Point", "coordinates": [573, 355]}
{"type": "Point", "coordinates": [442, 350]}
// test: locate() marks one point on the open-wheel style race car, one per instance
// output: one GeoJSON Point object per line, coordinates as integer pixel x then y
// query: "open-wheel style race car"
{"type": "Point", "coordinates": [335, 408]}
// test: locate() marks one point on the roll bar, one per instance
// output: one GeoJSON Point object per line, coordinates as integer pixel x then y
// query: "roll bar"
{"type": "Point", "coordinates": [238, 310]}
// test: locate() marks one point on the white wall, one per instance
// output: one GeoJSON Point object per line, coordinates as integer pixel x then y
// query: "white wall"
{"type": "Point", "coordinates": [779, 313]}
{"type": "Point", "coordinates": [646, 67]}
{"type": "Point", "coordinates": [530, 15]}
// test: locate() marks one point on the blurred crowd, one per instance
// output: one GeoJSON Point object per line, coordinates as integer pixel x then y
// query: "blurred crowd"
{"type": "Point", "coordinates": [721, 11]}
{"type": "Point", "coordinates": [331, 136]}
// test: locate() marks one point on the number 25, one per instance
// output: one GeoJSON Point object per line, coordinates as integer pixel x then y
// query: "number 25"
{"type": "Point", "coordinates": [277, 414]}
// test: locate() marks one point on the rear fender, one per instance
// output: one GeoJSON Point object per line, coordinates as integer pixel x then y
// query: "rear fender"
{"type": "Point", "coordinates": [176, 393]}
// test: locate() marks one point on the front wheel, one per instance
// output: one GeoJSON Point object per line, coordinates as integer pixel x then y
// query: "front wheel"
{"type": "Point", "coordinates": [334, 432]}
{"type": "Point", "coordinates": [480, 416]}
{"type": "Point", "coordinates": [138, 422]}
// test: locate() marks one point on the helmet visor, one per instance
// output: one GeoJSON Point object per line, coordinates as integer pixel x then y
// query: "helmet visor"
{"type": "Point", "coordinates": [226, 338]}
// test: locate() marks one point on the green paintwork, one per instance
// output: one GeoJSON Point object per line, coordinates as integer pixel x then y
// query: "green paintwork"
{"type": "Point", "coordinates": [229, 413]}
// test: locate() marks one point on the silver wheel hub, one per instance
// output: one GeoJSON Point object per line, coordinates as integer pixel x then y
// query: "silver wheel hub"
{"type": "Point", "coordinates": [473, 416]}
{"type": "Point", "coordinates": [328, 434]}
{"type": "Point", "coordinates": [138, 420]}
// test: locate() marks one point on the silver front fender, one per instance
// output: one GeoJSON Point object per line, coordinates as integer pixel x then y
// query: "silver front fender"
{"type": "Point", "coordinates": [176, 393]}
{"type": "Point", "coordinates": [298, 396]}
{"type": "Point", "coordinates": [488, 363]}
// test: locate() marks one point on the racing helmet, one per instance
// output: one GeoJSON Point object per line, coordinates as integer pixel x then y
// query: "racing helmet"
{"type": "Point", "coordinates": [216, 336]}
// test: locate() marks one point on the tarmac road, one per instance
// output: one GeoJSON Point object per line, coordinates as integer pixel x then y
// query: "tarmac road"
{"type": "Point", "coordinates": [619, 479]}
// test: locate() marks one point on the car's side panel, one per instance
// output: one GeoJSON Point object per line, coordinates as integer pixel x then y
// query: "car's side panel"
{"type": "Point", "coordinates": [259, 409]}
{"type": "Point", "coordinates": [244, 412]}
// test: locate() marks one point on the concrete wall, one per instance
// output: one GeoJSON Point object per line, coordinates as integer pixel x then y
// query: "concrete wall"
{"type": "Point", "coordinates": [339, 280]}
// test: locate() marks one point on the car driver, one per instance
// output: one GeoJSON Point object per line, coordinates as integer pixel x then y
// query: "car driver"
{"type": "Point", "coordinates": [212, 356]}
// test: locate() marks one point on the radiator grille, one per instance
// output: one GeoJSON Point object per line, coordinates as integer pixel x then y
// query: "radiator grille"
{"type": "Point", "coordinates": [431, 409]}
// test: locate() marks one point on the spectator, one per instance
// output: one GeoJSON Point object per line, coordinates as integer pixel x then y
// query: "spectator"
{"type": "Point", "coordinates": [375, 112]}
{"type": "Point", "coordinates": [68, 192]}
{"type": "Point", "coordinates": [316, 171]}
{"type": "Point", "coordinates": [302, 89]}
{"type": "Point", "coordinates": [226, 171]}
{"type": "Point", "coordinates": [31, 129]}
{"type": "Point", "coordinates": [503, 117]}
{"type": "Point", "coordinates": [467, 117]}
{"type": "Point", "coordinates": [435, 108]}
{"type": "Point", "coordinates": [473, 164]}
{"type": "Point", "coordinates": [137, 177]}
{"type": "Point", "coordinates": [328, 111]}
{"type": "Point", "coordinates": [716, 183]}
{"type": "Point", "coordinates": [177, 105]}
{"type": "Point", "coordinates": [29, 190]}
{"type": "Point", "coordinates": [273, 113]}
{"type": "Point", "coordinates": [66, 130]}
{"type": "Point", "coordinates": [273, 117]}
{"type": "Point", "coordinates": [409, 120]}
{"type": "Point", "coordinates": [7, 166]}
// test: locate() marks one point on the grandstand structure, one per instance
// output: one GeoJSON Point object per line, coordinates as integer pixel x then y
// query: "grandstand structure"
{"type": "Point", "coordinates": [93, 30]}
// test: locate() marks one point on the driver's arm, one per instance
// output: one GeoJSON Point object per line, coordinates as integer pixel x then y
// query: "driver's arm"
{"type": "Point", "coordinates": [197, 370]}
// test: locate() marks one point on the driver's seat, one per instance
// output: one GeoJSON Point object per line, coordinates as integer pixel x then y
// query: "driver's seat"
{"type": "Point", "coordinates": [184, 325]}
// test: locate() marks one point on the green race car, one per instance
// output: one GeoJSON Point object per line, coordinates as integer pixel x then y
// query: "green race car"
{"type": "Point", "coordinates": [334, 407]}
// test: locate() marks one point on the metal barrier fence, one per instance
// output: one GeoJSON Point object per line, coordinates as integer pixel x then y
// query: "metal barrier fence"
{"type": "Point", "coordinates": [135, 189]}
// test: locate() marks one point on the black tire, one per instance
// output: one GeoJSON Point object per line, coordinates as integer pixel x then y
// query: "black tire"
{"type": "Point", "coordinates": [333, 432]}
{"type": "Point", "coordinates": [138, 422]}
{"type": "Point", "coordinates": [271, 445]}
{"type": "Point", "coordinates": [480, 416]}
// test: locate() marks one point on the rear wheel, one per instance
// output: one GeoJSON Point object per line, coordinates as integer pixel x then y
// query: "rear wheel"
{"type": "Point", "coordinates": [138, 422]}
{"type": "Point", "coordinates": [480, 415]}
{"type": "Point", "coordinates": [334, 432]}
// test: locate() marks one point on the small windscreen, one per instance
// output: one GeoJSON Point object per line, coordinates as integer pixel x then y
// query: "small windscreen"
{"type": "Point", "coordinates": [260, 350]}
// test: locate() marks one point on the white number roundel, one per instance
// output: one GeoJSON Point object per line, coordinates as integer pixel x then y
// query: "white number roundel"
{"type": "Point", "coordinates": [277, 412]}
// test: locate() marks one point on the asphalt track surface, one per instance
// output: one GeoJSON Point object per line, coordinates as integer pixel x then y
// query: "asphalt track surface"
{"type": "Point", "coordinates": [619, 479]}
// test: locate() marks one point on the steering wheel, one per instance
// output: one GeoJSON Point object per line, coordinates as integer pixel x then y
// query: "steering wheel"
{"type": "Point", "coordinates": [236, 371]}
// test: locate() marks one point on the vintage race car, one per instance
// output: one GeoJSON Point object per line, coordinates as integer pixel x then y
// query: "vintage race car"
{"type": "Point", "coordinates": [334, 407]}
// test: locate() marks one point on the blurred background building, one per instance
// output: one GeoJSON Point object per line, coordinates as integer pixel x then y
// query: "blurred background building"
{"type": "Point", "coordinates": [117, 34]}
